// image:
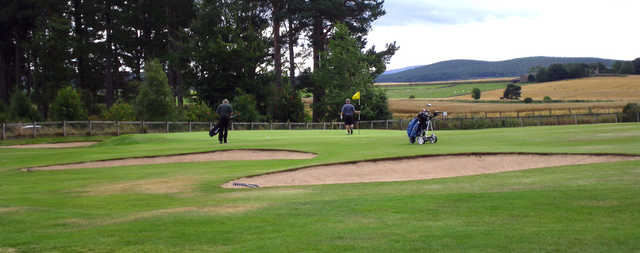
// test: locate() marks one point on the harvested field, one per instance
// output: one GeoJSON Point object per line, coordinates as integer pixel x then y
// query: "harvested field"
{"type": "Point", "coordinates": [412, 106]}
{"type": "Point", "coordinates": [484, 80]}
{"type": "Point", "coordinates": [428, 167]}
{"type": "Point", "coordinates": [246, 154]}
{"type": "Point", "coordinates": [592, 88]}
{"type": "Point", "coordinates": [53, 145]}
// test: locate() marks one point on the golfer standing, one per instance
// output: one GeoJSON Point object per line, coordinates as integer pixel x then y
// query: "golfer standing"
{"type": "Point", "coordinates": [225, 111]}
{"type": "Point", "coordinates": [347, 112]}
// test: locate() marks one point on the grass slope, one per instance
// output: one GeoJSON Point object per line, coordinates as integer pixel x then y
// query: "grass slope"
{"type": "Point", "coordinates": [588, 208]}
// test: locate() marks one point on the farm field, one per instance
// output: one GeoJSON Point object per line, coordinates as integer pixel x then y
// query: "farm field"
{"type": "Point", "coordinates": [476, 81]}
{"type": "Point", "coordinates": [593, 88]}
{"type": "Point", "coordinates": [408, 108]}
{"type": "Point", "coordinates": [180, 207]}
{"type": "Point", "coordinates": [439, 90]}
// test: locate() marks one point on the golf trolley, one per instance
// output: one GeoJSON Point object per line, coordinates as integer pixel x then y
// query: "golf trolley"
{"type": "Point", "coordinates": [420, 129]}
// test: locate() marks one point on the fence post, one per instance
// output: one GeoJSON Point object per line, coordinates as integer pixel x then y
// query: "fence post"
{"type": "Point", "coordinates": [4, 133]}
{"type": "Point", "coordinates": [575, 119]}
{"type": "Point", "coordinates": [270, 125]}
{"type": "Point", "coordinates": [324, 125]}
{"type": "Point", "coordinates": [210, 125]}
{"type": "Point", "coordinates": [638, 117]}
{"type": "Point", "coordinates": [90, 127]}
{"type": "Point", "coordinates": [232, 123]}
{"type": "Point", "coordinates": [189, 126]}
{"type": "Point", "coordinates": [289, 125]}
{"type": "Point", "coordinates": [117, 128]}
{"type": "Point", "coordinates": [486, 115]}
{"type": "Point", "coordinates": [371, 125]}
{"type": "Point", "coordinates": [34, 129]}
{"type": "Point", "coordinates": [167, 124]}
{"type": "Point", "coordinates": [387, 127]}
{"type": "Point", "coordinates": [64, 128]}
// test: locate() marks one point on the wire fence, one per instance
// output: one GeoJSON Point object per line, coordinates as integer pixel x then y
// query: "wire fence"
{"type": "Point", "coordinates": [90, 128]}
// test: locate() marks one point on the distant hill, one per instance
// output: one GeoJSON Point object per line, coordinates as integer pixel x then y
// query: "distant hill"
{"type": "Point", "coordinates": [471, 69]}
{"type": "Point", "coordinates": [393, 71]}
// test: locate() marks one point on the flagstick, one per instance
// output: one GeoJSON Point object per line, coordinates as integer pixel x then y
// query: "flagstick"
{"type": "Point", "coordinates": [359, 115]}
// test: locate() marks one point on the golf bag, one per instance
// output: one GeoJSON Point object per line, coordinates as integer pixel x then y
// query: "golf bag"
{"type": "Point", "coordinates": [421, 129]}
{"type": "Point", "coordinates": [213, 131]}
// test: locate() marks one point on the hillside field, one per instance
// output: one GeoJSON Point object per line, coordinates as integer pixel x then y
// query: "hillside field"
{"type": "Point", "coordinates": [180, 207]}
{"type": "Point", "coordinates": [439, 90]}
{"type": "Point", "coordinates": [592, 88]}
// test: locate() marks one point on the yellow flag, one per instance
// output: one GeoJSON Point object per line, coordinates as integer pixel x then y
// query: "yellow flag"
{"type": "Point", "coordinates": [356, 96]}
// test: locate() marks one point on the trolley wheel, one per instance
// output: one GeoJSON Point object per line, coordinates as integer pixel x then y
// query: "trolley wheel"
{"type": "Point", "coordinates": [421, 140]}
{"type": "Point", "coordinates": [433, 139]}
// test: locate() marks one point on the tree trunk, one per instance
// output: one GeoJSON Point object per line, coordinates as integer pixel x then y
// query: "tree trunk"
{"type": "Point", "coordinates": [4, 87]}
{"type": "Point", "coordinates": [292, 58]}
{"type": "Point", "coordinates": [108, 69]}
{"type": "Point", "coordinates": [277, 57]}
{"type": "Point", "coordinates": [316, 41]}
{"type": "Point", "coordinates": [19, 57]}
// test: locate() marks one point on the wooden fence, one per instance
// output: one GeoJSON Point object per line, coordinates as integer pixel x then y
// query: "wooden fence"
{"type": "Point", "coordinates": [89, 128]}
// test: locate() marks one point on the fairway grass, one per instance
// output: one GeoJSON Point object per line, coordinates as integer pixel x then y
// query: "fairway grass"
{"type": "Point", "coordinates": [580, 208]}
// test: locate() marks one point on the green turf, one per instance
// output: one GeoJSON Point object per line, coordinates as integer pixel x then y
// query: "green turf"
{"type": "Point", "coordinates": [440, 90]}
{"type": "Point", "coordinates": [585, 208]}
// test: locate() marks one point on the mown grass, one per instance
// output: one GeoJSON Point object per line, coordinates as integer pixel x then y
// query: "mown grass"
{"type": "Point", "coordinates": [440, 90]}
{"type": "Point", "coordinates": [586, 208]}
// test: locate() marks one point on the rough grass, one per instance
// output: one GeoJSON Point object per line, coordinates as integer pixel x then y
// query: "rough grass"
{"type": "Point", "coordinates": [585, 208]}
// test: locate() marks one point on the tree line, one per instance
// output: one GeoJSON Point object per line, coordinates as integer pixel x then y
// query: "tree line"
{"type": "Point", "coordinates": [253, 52]}
{"type": "Point", "coordinates": [557, 72]}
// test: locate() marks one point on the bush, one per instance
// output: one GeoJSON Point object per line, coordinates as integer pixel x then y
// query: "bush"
{"type": "Point", "coordinates": [120, 111]}
{"type": "Point", "coordinates": [244, 106]}
{"type": "Point", "coordinates": [412, 96]}
{"type": "Point", "coordinates": [546, 99]}
{"type": "Point", "coordinates": [21, 109]}
{"type": "Point", "coordinates": [68, 106]}
{"type": "Point", "coordinates": [154, 102]}
{"type": "Point", "coordinates": [512, 91]}
{"type": "Point", "coordinates": [528, 100]}
{"type": "Point", "coordinates": [630, 112]}
{"type": "Point", "coordinates": [475, 93]}
{"type": "Point", "coordinates": [4, 114]}
{"type": "Point", "coordinates": [199, 112]}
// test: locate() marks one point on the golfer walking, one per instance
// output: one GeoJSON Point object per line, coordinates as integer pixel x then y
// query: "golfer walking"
{"type": "Point", "coordinates": [347, 112]}
{"type": "Point", "coordinates": [225, 111]}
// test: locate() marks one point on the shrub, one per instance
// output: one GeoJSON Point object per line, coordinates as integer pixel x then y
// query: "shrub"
{"type": "Point", "coordinates": [546, 99]}
{"type": "Point", "coordinates": [120, 111]}
{"type": "Point", "coordinates": [68, 106]}
{"type": "Point", "coordinates": [630, 112]}
{"type": "Point", "coordinates": [244, 106]}
{"type": "Point", "coordinates": [155, 101]}
{"type": "Point", "coordinates": [21, 108]}
{"type": "Point", "coordinates": [512, 91]}
{"type": "Point", "coordinates": [475, 93]}
{"type": "Point", "coordinates": [4, 114]}
{"type": "Point", "coordinates": [528, 100]}
{"type": "Point", "coordinates": [412, 96]}
{"type": "Point", "coordinates": [198, 112]}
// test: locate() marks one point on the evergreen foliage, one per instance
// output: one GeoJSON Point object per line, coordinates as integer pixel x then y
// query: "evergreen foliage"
{"type": "Point", "coordinates": [512, 91]}
{"type": "Point", "coordinates": [475, 93]}
{"type": "Point", "coordinates": [154, 101]}
{"type": "Point", "coordinates": [67, 105]}
{"type": "Point", "coordinates": [120, 111]}
{"type": "Point", "coordinates": [21, 109]}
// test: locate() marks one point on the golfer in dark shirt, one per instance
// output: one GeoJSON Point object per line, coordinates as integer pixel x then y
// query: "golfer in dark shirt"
{"type": "Point", "coordinates": [347, 113]}
{"type": "Point", "coordinates": [225, 111]}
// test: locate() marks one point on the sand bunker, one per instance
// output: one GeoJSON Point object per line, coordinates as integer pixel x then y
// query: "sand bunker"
{"type": "Point", "coordinates": [419, 168]}
{"type": "Point", "coordinates": [53, 145]}
{"type": "Point", "coordinates": [199, 157]}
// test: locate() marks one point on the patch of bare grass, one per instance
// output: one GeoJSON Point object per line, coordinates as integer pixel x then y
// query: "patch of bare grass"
{"type": "Point", "coordinates": [148, 186]}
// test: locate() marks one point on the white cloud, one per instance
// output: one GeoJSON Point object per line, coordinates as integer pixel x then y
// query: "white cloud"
{"type": "Point", "coordinates": [525, 28]}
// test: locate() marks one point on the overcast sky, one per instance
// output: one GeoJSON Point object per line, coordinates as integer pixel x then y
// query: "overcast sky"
{"type": "Point", "coordinates": [429, 31]}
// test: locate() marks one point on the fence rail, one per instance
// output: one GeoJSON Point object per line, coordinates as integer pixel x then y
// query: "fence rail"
{"type": "Point", "coordinates": [89, 128]}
